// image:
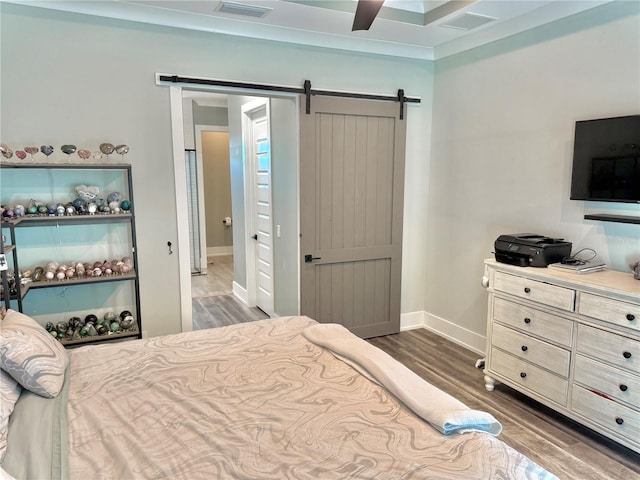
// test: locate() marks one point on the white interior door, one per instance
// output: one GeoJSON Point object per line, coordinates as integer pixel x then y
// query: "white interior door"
{"type": "Point", "coordinates": [259, 215]}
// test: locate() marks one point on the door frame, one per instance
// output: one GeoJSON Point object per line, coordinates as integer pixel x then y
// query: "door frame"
{"type": "Point", "coordinates": [182, 223]}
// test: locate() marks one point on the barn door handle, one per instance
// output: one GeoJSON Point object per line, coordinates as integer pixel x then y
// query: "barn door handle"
{"type": "Point", "coordinates": [310, 258]}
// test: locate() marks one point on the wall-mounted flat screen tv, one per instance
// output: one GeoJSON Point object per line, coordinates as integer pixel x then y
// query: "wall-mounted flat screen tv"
{"type": "Point", "coordinates": [606, 160]}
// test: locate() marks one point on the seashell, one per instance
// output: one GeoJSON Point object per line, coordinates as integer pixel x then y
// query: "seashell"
{"type": "Point", "coordinates": [27, 274]}
{"type": "Point", "coordinates": [122, 149]}
{"type": "Point", "coordinates": [109, 317]}
{"type": "Point", "coordinates": [42, 209]}
{"type": "Point", "coordinates": [97, 155]}
{"type": "Point", "coordinates": [107, 148]}
{"type": "Point", "coordinates": [19, 210]}
{"type": "Point", "coordinates": [46, 149]}
{"type": "Point", "coordinates": [70, 210]}
{"type": "Point", "coordinates": [76, 334]}
{"type": "Point", "coordinates": [97, 264]}
{"type": "Point", "coordinates": [60, 275]}
{"type": "Point", "coordinates": [101, 329]}
{"type": "Point", "coordinates": [68, 149]}
{"type": "Point", "coordinates": [61, 210]}
{"type": "Point", "coordinates": [124, 268]}
{"type": "Point", "coordinates": [91, 330]}
{"type": "Point", "coordinates": [70, 273]}
{"type": "Point", "coordinates": [125, 313]}
{"type": "Point", "coordinates": [21, 154]}
{"type": "Point", "coordinates": [115, 326]}
{"type": "Point", "coordinates": [91, 318]}
{"type": "Point", "coordinates": [107, 271]}
{"type": "Point", "coordinates": [31, 150]}
{"type": "Point", "coordinates": [84, 154]}
{"type": "Point", "coordinates": [96, 272]}
{"type": "Point", "coordinates": [48, 275]}
{"type": "Point", "coordinates": [88, 272]}
{"type": "Point", "coordinates": [125, 205]}
{"type": "Point", "coordinates": [6, 151]}
{"type": "Point", "coordinates": [62, 327]}
{"type": "Point", "coordinates": [92, 208]}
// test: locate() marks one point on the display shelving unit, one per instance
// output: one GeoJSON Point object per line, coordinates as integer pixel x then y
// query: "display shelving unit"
{"type": "Point", "coordinates": [62, 177]}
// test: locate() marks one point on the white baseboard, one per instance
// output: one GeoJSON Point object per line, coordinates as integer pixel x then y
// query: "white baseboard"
{"type": "Point", "coordinates": [444, 328]}
{"type": "Point", "coordinates": [218, 251]}
{"type": "Point", "coordinates": [240, 293]}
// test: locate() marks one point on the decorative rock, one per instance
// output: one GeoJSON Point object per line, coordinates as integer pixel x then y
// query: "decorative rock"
{"type": "Point", "coordinates": [46, 149]}
{"type": "Point", "coordinates": [125, 205]}
{"type": "Point", "coordinates": [122, 149]}
{"type": "Point", "coordinates": [84, 154]}
{"type": "Point", "coordinates": [21, 154]}
{"type": "Point", "coordinates": [31, 151]}
{"type": "Point", "coordinates": [107, 148]}
{"type": "Point", "coordinates": [68, 149]}
{"type": "Point", "coordinates": [115, 197]}
{"type": "Point", "coordinates": [87, 192]}
{"type": "Point", "coordinates": [6, 151]}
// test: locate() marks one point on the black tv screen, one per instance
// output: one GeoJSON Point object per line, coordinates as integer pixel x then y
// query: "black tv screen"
{"type": "Point", "coordinates": [606, 160]}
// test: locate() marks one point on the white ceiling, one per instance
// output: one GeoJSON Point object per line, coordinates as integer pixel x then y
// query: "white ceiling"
{"type": "Point", "coordinates": [407, 28]}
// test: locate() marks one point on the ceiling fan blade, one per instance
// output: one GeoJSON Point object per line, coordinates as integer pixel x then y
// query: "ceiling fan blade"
{"type": "Point", "coordinates": [366, 12]}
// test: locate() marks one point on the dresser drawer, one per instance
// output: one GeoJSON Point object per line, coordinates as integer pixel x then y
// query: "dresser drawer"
{"type": "Point", "coordinates": [531, 349]}
{"type": "Point", "coordinates": [620, 351]}
{"type": "Point", "coordinates": [615, 311]}
{"type": "Point", "coordinates": [526, 375]}
{"type": "Point", "coordinates": [533, 321]}
{"type": "Point", "coordinates": [607, 413]}
{"type": "Point", "coordinates": [612, 382]}
{"type": "Point", "coordinates": [540, 292]}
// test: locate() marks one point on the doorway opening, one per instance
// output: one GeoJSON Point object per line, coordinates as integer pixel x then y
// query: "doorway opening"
{"type": "Point", "coordinates": [217, 297]}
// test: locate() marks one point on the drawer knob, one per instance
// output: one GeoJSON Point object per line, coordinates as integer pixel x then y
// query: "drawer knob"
{"type": "Point", "coordinates": [527, 290]}
{"type": "Point", "coordinates": [523, 374]}
{"type": "Point", "coordinates": [527, 320]}
{"type": "Point", "coordinates": [524, 348]}
{"type": "Point", "coordinates": [631, 317]}
{"type": "Point", "coordinates": [623, 387]}
{"type": "Point", "coordinates": [626, 354]}
{"type": "Point", "coordinates": [619, 420]}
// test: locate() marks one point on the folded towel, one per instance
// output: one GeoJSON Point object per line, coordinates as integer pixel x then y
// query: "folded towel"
{"type": "Point", "coordinates": [441, 410]}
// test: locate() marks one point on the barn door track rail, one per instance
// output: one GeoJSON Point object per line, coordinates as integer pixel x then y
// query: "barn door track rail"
{"type": "Point", "coordinates": [305, 90]}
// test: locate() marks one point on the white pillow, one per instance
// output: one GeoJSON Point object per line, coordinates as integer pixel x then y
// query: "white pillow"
{"type": "Point", "coordinates": [31, 355]}
{"type": "Point", "coordinates": [9, 393]}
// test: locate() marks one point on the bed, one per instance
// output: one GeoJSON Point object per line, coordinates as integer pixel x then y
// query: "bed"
{"type": "Point", "coordinates": [272, 399]}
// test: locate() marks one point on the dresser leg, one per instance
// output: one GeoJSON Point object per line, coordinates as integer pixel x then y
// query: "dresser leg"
{"type": "Point", "coordinates": [489, 383]}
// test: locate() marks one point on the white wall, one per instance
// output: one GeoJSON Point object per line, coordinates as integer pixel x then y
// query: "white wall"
{"type": "Point", "coordinates": [70, 78]}
{"type": "Point", "coordinates": [501, 156]}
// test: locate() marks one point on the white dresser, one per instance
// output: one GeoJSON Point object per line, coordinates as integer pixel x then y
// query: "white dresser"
{"type": "Point", "coordinates": [570, 341]}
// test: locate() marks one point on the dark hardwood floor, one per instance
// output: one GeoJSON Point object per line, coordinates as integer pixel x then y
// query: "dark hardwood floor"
{"type": "Point", "coordinates": [560, 445]}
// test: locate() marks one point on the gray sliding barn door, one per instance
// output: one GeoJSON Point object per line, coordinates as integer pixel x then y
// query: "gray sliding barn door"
{"type": "Point", "coordinates": [351, 201]}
